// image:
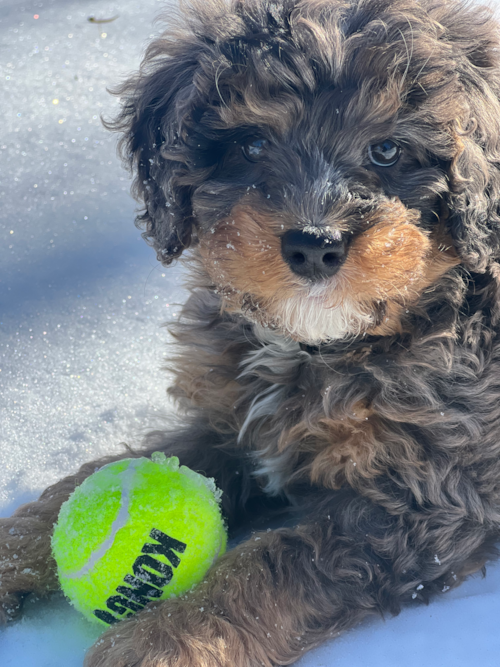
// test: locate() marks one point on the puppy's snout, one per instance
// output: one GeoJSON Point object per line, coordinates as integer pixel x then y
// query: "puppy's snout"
{"type": "Point", "coordinates": [312, 256]}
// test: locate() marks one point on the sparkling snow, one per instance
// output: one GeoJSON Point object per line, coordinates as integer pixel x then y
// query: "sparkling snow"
{"type": "Point", "coordinates": [82, 299]}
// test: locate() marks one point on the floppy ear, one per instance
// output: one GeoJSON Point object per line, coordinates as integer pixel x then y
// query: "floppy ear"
{"type": "Point", "coordinates": [155, 102]}
{"type": "Point", "coordinates": [474, 173]}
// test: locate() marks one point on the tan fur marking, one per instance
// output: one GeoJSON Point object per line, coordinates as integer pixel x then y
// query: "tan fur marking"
{"type": "Point", "coordinates": [337, 448]}
{"type": "Point", "coordinates": [278, 114]}
{"type": "Point", "coordinates": [389, 264]}
{"type": "Point", "coordinates": [244, 254]}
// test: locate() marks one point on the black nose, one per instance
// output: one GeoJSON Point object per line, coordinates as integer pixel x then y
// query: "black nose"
{"type": "Point", "coordinates": [311, 256]}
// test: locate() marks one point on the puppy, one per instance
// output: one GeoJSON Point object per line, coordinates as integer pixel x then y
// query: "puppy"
{"type": "Point", "coordinates": [334, 167]}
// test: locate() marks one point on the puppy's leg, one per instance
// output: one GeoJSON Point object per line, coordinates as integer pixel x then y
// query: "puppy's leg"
{"type": "Point", "coordinates": [264, 603]}
{"type": "Point", "coordinates": [281, 593]}
{"type": "Point", "coordinates": [26, 563]}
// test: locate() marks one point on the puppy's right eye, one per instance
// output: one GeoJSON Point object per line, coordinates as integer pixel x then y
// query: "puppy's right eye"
{"type": "Point", "coordinates": [255, 149]}
{"type": "Point", "coordinates": [384, 154]}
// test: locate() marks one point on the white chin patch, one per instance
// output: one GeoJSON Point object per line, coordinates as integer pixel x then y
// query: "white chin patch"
{"type": "Point", "coordinates": [308, 319]}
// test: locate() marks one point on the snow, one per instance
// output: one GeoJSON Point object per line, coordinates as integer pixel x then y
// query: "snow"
{"type": "Point", "coordinates": [82, 299]}
{"type": "Point", "coordinates": [82, 294]}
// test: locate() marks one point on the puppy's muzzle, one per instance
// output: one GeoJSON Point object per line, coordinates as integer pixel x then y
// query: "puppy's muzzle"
{"type": "Point", "coordinates": [312, 256]}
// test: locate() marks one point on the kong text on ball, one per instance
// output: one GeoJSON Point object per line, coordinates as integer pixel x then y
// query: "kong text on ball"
{"type": "Point", "coordinates": [135, 531]}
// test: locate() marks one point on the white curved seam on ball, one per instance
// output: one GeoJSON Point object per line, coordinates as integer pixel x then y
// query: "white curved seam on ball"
{"type": "Point", "coordinates": [120, 520]}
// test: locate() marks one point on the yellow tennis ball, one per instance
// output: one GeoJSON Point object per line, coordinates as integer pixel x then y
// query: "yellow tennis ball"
{"type": "Point", "coordinates": [137, 530]}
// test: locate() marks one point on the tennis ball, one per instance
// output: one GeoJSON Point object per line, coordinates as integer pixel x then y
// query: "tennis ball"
{"type": "Point", "coordinates": [137, 530]}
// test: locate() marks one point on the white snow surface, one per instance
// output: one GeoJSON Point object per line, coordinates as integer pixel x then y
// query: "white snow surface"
{"type": "Point", "coordinates": [82, 300]}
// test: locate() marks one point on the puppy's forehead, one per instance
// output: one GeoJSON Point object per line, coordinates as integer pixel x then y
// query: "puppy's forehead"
{"type": "Point", "coordinates": [347, 108]}
{"type": "Point", "coordinates": [369, 64]}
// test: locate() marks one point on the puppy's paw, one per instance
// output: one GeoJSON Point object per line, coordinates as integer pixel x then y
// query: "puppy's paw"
{"type": "Point", "coordinates": [173, 633]}
{"type": "Point", "coordinates": [26, 564]}
{"type": "Point", "coordinates": [117, 648]}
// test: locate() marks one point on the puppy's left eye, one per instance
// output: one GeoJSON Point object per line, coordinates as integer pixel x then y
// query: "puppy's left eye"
{"type": "Point", "coordinates": [255, 149]}
{"type": "Point", "coordinates": [384, 154]}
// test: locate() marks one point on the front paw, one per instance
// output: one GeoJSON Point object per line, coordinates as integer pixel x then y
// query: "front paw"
{"type": "Point", "coordinates": [118, 648]}
{"type": "Point", "coordinates": [26, 564]}
{"type": "Point", "coordinates": [172, 633]}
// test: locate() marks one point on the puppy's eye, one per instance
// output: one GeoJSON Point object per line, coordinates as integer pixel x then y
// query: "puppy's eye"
{"type": "Point", "coordinates": [255, 149]}
{"type": "Point", "coordinates": [384, 154]}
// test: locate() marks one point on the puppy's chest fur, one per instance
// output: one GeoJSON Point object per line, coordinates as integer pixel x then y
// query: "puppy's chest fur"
{"type": "Point", "coordinates": [300, 428]}
{"type": "Point", "coordinates": [298, 417]}
{"type": "Point", "coordinates": [283, 358]}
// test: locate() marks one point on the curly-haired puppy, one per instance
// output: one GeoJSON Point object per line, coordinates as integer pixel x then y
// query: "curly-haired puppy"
{"type": "Point", "coordinates": [334, 166]}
